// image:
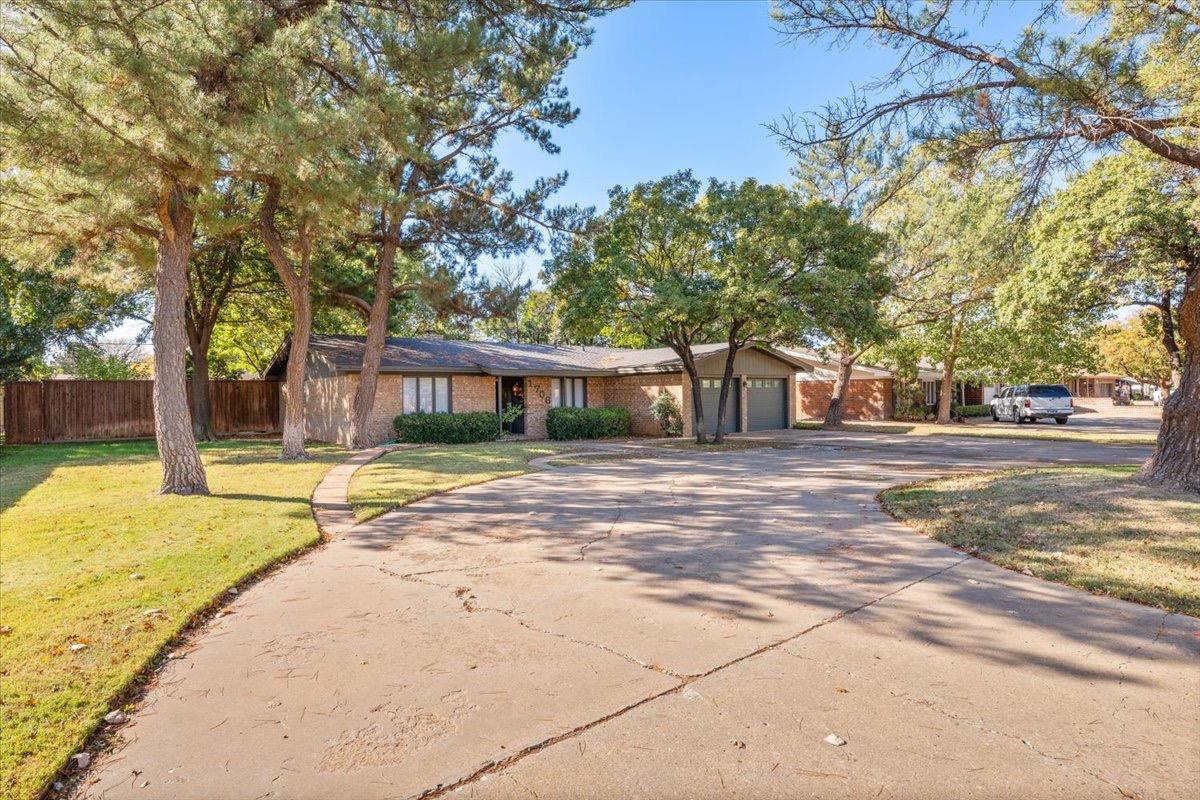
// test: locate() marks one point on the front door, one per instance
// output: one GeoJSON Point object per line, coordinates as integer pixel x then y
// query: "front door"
{"type": "Point", "coordinates": [512, 393]}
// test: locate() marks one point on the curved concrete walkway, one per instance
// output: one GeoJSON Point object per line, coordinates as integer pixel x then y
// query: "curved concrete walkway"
{"type": "Point", "coordinates": [686, 625]}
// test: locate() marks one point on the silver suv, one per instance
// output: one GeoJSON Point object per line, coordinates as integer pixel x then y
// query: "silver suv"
{"type": "Point", "coordinates": [1033, 401]}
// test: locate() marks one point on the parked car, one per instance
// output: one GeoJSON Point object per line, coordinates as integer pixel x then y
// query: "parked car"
{"type": "Point", "coordinates": [1033, 401]}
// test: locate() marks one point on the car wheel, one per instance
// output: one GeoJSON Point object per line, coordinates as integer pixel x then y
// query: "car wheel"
{"type": "Point", "coordinates": [995, 416]}
{"type": "Point", "coordinates": [1016, 415]}
{"type": "Point", "coordinates": [1061, 420]}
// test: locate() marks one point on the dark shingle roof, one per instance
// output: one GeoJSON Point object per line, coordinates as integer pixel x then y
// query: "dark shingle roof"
{"type": "Point", "coordinates": [344, 354]}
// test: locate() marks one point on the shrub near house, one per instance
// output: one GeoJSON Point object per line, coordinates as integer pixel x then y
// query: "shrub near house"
{"type": "Point", "coordinates": [587, 423]}
{"type": "Point", "coordinates": [442, 428]}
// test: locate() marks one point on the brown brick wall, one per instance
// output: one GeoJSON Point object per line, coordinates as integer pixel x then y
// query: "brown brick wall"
{"type": "Point", "coordinates": [871, 400]}
{"type": "Point", "coordinates": [636, 393]}
{"type": "Point", "coordinates": [328, 402]}
{"type": "Point", "coordinates": [537, 404]}
{"type": "Point", "coordinates": [472, 393]}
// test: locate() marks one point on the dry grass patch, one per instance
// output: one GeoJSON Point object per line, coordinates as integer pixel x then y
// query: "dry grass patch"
{"type": "Point", "coordinates": [1090, 527]}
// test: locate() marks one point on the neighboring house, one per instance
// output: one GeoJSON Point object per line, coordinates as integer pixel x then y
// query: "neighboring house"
{"type": "Point", "coordinates": [1097, 385]}
{"type": "Point", "coordinates": [432, 374]}
{"type": "Point", "coordinates": [966, 392]}
{"type": "Point", "coordinates": [869, 396]}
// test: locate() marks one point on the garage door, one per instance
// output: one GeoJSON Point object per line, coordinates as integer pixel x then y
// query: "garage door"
{"type": "Point", "coordinates": [710, 398]}
{"type": "Point", "coordinates": [766, 403]}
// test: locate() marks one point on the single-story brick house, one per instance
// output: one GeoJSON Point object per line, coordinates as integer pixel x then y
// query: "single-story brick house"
{"type": "Point", "coordinates": [433, 374]}
{"type": "Point", "coordinates": [869, 396]}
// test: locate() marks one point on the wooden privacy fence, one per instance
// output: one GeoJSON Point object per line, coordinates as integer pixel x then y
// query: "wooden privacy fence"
{"type": "Point", "coordinates": [70, 411]}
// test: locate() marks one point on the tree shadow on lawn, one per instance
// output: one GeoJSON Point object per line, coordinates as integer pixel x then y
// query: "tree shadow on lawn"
{"type": "Point", "coordinates": [24, 467]}
{"type": "Point", "coordinates": [1090, 527]}
{"type": "Point", "coordinates": [738, 535]}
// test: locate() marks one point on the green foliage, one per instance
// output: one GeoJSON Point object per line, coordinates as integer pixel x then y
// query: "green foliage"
{"type": "Point", "coordinates": [666, 412]}
{"type": "Point", "coordinates": [956, 239]}
{"type": "Point", "coordinates": [512, 412]}
{"type": "Point", "coordinates": [973, 411]}
{"type": "Point", "coordinates": [785, 266]}
{"type": "Point", "coordinates": [1121, 232]}
{"type": "Point", "coordinates": [536, 320]}
{"type": "Point", "coordinates": [443, 428]}
{"type": "Point", "coordinates": [587, 423]}
{"type": "Point", "coordinates": [645, 273]}
{"type": "Point", "coordinates": [104, 362]}
{"type": "Point", "coordinates": [41, 311]}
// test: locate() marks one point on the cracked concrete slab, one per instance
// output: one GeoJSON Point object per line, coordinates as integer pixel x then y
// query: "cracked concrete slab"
{"type": "Point", "coordinates": [343, 680]}
{"type": "Point", "coordinates": [757, 730]}
{"type": "Point", "coordinates": [686, 625]}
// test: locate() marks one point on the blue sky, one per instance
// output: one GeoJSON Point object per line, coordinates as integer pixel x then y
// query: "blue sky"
{"type": "Point", "coordinates": [691, 84]}
{"type": "Point", "coordinates": [684, 84]}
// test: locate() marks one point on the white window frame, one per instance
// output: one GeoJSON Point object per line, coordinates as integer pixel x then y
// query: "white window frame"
{"type": "Point", "coordinates": [427, 394]}
{"type": "Point", "coordinates": [930, 389]}
{"type": "Point", "coordinates": [568, 392]}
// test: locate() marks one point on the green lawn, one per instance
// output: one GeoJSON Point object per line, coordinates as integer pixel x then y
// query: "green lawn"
{"type": "Point", "coordinates": [403, 476]}
{"type": "Point", "coordinates": [1089, 527]}
{"type": "Point", "coordinates": [78, 522]}
{"type": "Point", "coordinates": [988, 431]}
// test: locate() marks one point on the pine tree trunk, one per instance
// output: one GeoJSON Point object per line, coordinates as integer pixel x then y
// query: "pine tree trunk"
{"type": "Point", "coordinates": [835, 414]}
{"type": "Point", "coordinates": [202, 428]}
{"type": "Point", "coordinates": [183, 472]}
{"type": "Point", "coordinates": [1176, 462]}
{"type": "Point", "coordinates": [377, 321]}
{"type": "Point", "coordinates": [297, 368]}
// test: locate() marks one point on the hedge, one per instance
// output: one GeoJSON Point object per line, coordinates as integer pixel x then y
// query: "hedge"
{"type": "Point", "coordinates": [587, 423]}
{"type": "Point", "coordinates": [973, 411]}
{"type": "Point", "coordinates": [443, 428]}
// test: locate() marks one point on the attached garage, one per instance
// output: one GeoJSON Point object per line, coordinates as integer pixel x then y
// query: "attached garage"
{"type": "Point", "coordinates": [710, 399]}
{"type": "Point", "coordinates": [766, 404]}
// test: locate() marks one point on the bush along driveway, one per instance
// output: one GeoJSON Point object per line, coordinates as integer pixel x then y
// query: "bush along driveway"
{"type": "Point", "coordinates": [690, 624]}
{"type": "Point", "coordinates": [100, 574]}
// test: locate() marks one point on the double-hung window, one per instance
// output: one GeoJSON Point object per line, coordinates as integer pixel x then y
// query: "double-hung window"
{"type": "Point", "coordinates": [426, 393]}
{"type": "Point", "coordinates": [568, 393]}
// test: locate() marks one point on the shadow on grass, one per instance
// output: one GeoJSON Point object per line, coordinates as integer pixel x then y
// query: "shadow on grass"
{"type": "Point", "coordinates": [1089, 527]}
{"type": "Point", "coordinates": [24, 467]}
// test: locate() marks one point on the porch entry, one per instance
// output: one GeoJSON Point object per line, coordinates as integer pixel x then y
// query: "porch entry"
{"type": "Point", "coordinates": [512, 393]}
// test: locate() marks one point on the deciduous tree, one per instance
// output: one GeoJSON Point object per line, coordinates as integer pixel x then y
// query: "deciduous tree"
{"type": "Point", "coordinates": [1134, 347]}
{"type": "Point", "coordinates": [644, 273]}
{"type": "Point", "coordinates": [1126, 232]}
{"type": "Point", "coordinates": [787, 269]}
{"type": "Point", "coordinates": [41, 310]}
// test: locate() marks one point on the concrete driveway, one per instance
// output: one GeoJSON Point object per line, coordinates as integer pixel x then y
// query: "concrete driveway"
{"type": "Point", "coordinates": [687, 626]}
{"type": "Point", "coordinates": [1142, 418]}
